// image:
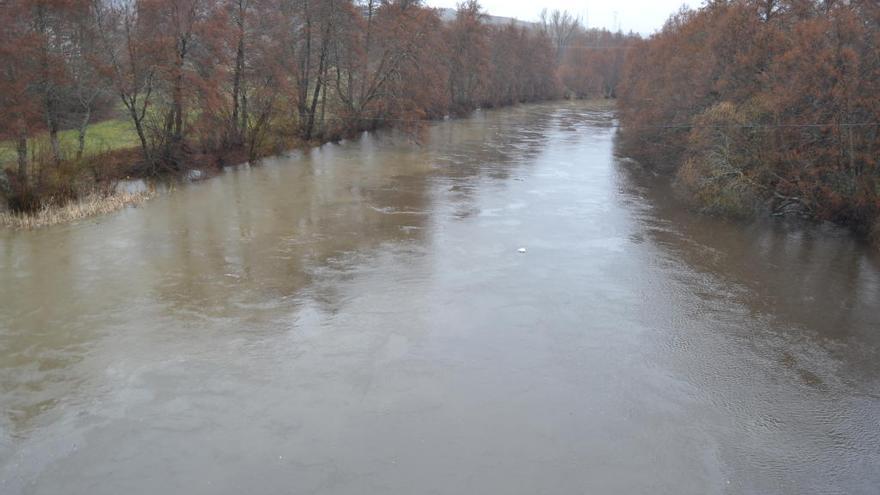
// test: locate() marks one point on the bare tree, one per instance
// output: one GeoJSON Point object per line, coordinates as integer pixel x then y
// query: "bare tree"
{"type": "Point", "coordinates": [561, 27]}
{"type": "Point", "coordinates": [126, 61]}
{"type": "Point", "coordinates": [86, 84]}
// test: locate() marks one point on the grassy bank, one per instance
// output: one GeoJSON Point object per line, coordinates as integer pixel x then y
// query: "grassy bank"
{"type": "Point", "coordinates": [77, 188]}
{"type": "Point", "coordinates": [101, 137]}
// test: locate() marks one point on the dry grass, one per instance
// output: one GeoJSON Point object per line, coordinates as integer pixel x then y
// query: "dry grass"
{"type": "Point", "coordinates": [91, 205]}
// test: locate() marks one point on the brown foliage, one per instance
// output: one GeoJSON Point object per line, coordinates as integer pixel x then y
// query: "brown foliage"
{"type": "Point", "coordinates": [522, 67]}
{"type": "Point", "coordinates": [203, 81]}
{"type": "Point", "coordinates": [593, 61]}
{"type": "Point", "coordinates": [792, 89]}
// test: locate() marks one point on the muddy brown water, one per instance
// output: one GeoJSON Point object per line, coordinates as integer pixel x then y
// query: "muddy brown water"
{"type": "Point", "coordinates": [357, 319]}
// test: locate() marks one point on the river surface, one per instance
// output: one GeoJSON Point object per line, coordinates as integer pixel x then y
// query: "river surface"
{"type": "Point", "coordinates": [357, 319]}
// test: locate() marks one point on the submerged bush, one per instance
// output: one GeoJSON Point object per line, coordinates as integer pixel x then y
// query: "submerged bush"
{"type": "Point", "coordinates": [722, 172]}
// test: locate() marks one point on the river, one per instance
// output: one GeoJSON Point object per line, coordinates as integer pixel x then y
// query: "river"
{"type": "Point", "coordinates": [358, 319]}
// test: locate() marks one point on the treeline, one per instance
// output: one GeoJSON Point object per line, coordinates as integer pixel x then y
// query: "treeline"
{"type": "Point", "coordinates": [199, 80]}
{"type": "Point", "coordinates": [763, 106]}
{"type": "Point", "coordinates": [590, 61]}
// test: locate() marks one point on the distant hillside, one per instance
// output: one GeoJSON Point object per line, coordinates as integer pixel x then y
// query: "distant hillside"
{"type": "Point", "coordinates": [448, 15]}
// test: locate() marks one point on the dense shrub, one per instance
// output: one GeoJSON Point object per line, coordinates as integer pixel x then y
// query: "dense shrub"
{"type": "Point", "coordinates": [762, 102]}
{"type": "Point", "coordinates": [723, 169]}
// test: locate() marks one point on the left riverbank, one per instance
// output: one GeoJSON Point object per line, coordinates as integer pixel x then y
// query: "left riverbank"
{"type": "Point", "coordinates": [92, 205]}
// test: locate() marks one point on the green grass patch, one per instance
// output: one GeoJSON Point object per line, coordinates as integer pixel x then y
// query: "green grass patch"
{"type": "Point", "coordinates": [101, 137]}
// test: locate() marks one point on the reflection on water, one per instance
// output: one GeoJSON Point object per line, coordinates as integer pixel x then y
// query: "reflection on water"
{"type": "Point", "coordinates": [356, 318]}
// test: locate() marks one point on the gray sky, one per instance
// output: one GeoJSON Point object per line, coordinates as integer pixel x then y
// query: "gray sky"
{"type": "Point", "coordinates": [643, 16]}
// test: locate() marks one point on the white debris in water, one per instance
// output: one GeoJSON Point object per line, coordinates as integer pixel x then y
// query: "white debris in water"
{"type": "Point", "coordinates": [521, 250]}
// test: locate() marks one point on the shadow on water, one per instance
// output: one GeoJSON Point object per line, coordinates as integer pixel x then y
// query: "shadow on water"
{"type": "Point", "coordinates": [803, 299]}
{"type": "Point", "coordinates": [818, 278]}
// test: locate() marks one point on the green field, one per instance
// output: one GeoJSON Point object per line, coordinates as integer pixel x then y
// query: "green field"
{"type": "Point", "coordinates": [100, 137]}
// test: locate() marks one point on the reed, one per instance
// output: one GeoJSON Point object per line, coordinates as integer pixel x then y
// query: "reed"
{"type": "Point", "coordinates": [88, 206]}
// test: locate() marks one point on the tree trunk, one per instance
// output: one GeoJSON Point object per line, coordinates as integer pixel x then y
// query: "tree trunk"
{"type": "Point", "coordinates": [22, 150]}
{"type": "Point", "coordinates": [314, 105]}
{"type": "Point", "coordinates": [304, 74]}
{"type": "Point", "coordinates": [323, 109]}
{"type": "Point", "coordinates": [139, 128]}
{"type": "Point", "coordinates": [177, 110]}
{"type": "Point", "coordinates": [177, 131]}
{"type": "Point", "coordinates": [243, 129]}
{"type": "Point", "coordinates": [49, 99]}
{"type": "Point", "coordinates": [53, 138]}
{"type": "Point", "coordinates": [81, 137]}
{"type": "Point", "coordinates": [237, 129]}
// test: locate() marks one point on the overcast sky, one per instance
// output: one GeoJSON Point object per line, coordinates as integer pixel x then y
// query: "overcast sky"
{"type": "Point", "coordinates": [643, 16]}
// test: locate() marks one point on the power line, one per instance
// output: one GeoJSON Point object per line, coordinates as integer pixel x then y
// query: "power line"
{"type": "Point", "coordinates": [752, 126]}
{"type": "Point", "coordinates": [657, 126]}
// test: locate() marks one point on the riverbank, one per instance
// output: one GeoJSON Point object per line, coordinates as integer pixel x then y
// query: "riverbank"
{"type": "Point", "coordinates": [88, 187]}
{"type": "Point", "coordinates": [92, 205]}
